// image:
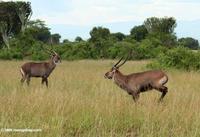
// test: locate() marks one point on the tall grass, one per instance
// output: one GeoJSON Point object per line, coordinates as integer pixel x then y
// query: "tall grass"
{"type": "Point", "coordinates": [80, 102]}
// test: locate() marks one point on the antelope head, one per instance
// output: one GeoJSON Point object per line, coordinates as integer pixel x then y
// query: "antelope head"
{"type": "Point", "coordinates": [54, 56]}
{"type": "Point", "coordinates": [115, 68]}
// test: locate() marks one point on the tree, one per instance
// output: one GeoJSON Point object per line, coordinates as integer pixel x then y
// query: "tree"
{"type": "Point", "coordinates": [163, 25]}
{"type": "Point", "coordinates": [5, 31]}
{"type": "Point", "coordinates": [139, 32]}
{"type": "Point", "coordinates": [163, 29]}
{"type": "Point", "coordinates": [78, 39]}
{"type": "Point", "coordinates": [38, 30]}
{"type": "Point", "coordinates": [66, 41]}
{"type": "Point", "coordinates": [55, 38]}
{"type": "Point", "coordinates": [24, 12]}
{"type": "Point", "coordinates": [189, 43]}
{"type": "Point", "coordinates": [100, 41]}
{"type": "Point", "coordinates": [118, 36]}
{"type": "Point", "coordinates": [8, 15]}
{"type": "Point", "coordinates": [99, 33]}
{"type": "Point", "coordinates": [10, 21]}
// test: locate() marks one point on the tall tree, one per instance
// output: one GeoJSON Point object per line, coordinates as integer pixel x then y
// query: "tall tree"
{"type": "Point", "coordinates": [78, 39]}
{"type": "Point", "coordinates": [66, 41]}
{"type": "Point", "coordinates": [163, 25]}
{"type": "Point", "coordinates": [139, 32]}
{"type": "Point", "coordinates": [99, 33]}
{"type": "Point", "coordinates": [163, 29]}
{"type": "Point", "coordinates": [10, 21]}
{"type": "Point", "coordinates": [5, 31]}
{"type": "Point", "coordinates": [39, 30]}
{"type": "Point", "coordinates": [24, 12]}
{"type": "Point", "coordinates": [118, 36]}
{"type": "Point", "coordinates": [100, 41]}
{"type": "Point", "coordinates": [55, 38]}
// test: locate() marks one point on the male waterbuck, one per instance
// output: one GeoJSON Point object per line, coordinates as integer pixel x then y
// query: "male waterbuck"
{"type": "Point", "coordinates": [42, 69]}
{"type": "Point", "coordinates": [136, 83]}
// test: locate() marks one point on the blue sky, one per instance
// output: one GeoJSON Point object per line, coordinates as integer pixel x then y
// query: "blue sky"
{"type": "Point", "coordinates": [72, 18]}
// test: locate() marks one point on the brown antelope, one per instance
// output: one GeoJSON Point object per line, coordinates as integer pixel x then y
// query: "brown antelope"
{"type": "Point", "coordinates": [136, 83]}
{"type": "Point", "coordinates": [42, 69]}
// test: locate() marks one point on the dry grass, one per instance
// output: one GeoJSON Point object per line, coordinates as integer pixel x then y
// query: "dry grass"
{"type": "Point", "coordinates": [80, 102]}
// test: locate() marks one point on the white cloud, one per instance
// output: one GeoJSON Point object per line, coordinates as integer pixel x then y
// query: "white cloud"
{"type": "Point", "coordinates": [89, 12]}
{"type": "Point", "coordinates": [92, 12]}
{"type": "Point", "coordinates": [185, 11]}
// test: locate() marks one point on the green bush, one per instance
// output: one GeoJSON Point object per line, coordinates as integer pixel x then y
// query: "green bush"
{"type": "Point", "coordinates": [148, 51]}
{"type": "Point", "coordinates": [121, 49]}
{"type": "Point", "coordinates": [179, 58]}
{"type": "Point", "coordinates": [38, 53]}
{"type": "Point", "coordinates": [149, 48]}
{"type": "Point", "coordinates": [77, 50]}
{"type": "Point", "coordinates": [144, 50]}
{"type": "Point", "coordinates": [6, 54]}
{"type": "Point", "coordinates": [17, 55]}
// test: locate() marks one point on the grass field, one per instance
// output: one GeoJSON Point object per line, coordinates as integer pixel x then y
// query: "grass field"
{"type": "Point", "coordinates": [80, 102]}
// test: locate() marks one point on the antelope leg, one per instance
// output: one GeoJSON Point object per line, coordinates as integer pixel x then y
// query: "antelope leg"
{"type": "Point", "coordinates": [46, 81]}
{"type": "Point", "coordinates": [28, 79]}
{"type": "Point", "coordinates": [164, 91]}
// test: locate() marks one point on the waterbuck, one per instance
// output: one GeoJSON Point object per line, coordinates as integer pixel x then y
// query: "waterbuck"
{"type": "Point", "coordinates": [42, 69]}
{"type": "Point", "coordinates": [136, 83]}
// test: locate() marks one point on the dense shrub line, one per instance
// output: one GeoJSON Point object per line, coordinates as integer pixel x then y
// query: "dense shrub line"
{"type": "Point", "coordinates": [82, 50]}
{"type": "Point", "coordinates": [178, 58]}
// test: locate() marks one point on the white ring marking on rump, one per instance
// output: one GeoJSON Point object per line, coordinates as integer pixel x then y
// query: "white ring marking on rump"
{"type": "Point", "coordinates": [163, 80]}
{"type": "Point", "coordinates": [22, 72]}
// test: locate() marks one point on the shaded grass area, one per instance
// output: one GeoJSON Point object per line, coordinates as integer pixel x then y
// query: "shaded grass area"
{"type": "Point", "coordinates": [80, 102]}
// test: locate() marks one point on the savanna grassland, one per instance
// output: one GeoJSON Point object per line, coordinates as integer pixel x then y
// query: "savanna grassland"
{"type": "Point", "coordinates": [80, 102]}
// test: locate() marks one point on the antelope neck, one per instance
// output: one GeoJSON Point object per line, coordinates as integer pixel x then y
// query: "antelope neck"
{"type": "Point", "coordinates": [119, 78]}
{"type": "Point", "coordinates": [52, 63]}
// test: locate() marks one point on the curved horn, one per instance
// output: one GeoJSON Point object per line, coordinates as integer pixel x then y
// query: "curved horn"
{"type": "Point", "coordinates": [54, 52]}
{"type": "Point", "coordinates": [123, 62]}
{"type": "Point", "coordinates": [118, 62]}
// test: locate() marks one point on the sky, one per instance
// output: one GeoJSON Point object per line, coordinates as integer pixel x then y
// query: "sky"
{"type": "Point", "coordinates": [71, 18]}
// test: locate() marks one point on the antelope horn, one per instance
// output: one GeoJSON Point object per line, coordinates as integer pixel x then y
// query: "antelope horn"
{"type": "Point", "coordinates": [118, 62]}
{"type": "Point", "coordinates": [54, 52]}
{"type": "Point", "coordinates": [124, 61]}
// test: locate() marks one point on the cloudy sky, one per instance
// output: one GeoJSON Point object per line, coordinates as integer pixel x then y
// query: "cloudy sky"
{"type": "Point", "coordinates": [73, 18]}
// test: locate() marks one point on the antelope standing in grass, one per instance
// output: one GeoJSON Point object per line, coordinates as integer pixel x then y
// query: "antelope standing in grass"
{"type": "Point", "coordinates": [136, 83]}
{"type": "Point", "coordinates": [41, 70]}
